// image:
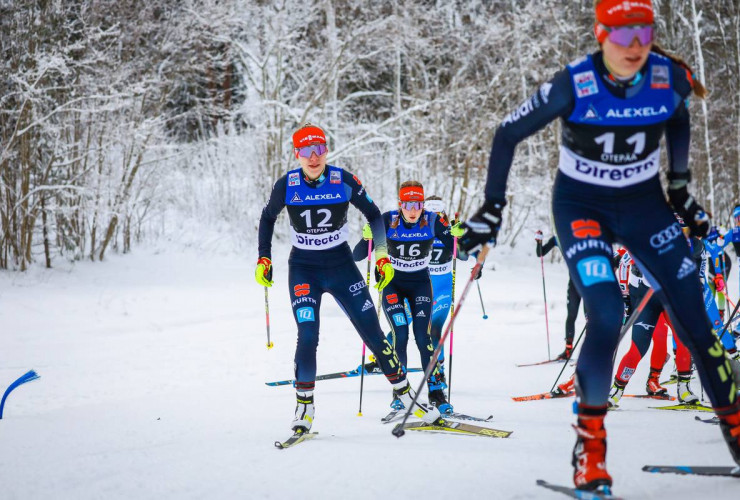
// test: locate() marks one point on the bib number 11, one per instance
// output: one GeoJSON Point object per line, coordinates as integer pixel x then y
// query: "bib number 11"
{"type": "Point", "coordinates": [607, 142]}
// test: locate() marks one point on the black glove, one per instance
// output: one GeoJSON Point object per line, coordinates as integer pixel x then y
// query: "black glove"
{"type": "Point", "coordinates": [480, 273]}
{"type": "Point", "coordinates": [483, 226]}
{"type": "Point", "coordinates": [690, 211]}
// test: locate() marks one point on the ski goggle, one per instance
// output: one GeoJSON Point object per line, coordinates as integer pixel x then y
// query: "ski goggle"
{"type": "Point", "coordinates": [307, 151]}
{"type": "Point", "coordinates": [412, 205]}
{"type": "Point", "coordinates": [624, 35]}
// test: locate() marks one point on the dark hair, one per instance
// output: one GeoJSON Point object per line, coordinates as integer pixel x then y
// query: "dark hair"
{"type": "Point", "coordinates": [410, 184]}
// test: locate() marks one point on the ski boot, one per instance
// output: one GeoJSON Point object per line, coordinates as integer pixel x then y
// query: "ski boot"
{"type": "Point", "coordinates": [437, 383]}
{"type": "Point", "coordinates": [684, 392]}
{"type": "Point", "coordinates": [567, 353]}
{"type": "Point", "coordinates": [406, 395]}
{"type": "Point", "coordinates": [371, 367]}
{"type": "Point", "coordinates": [589, 453]}
{"type": "Point", "coordinates": [566, 387]}
{"type": "Point", "coordinates": [653, 387]}
{"type": "Point", "coordinates": [304, 412]}
{"type": "Point", "coordinates": [615, 394]}
{"type": "Point", "coordinates": [729, 423]}
{"type": "Point", "coordinates": [437, 398]}
{"type": "Point", "coordinates": [396, 403]}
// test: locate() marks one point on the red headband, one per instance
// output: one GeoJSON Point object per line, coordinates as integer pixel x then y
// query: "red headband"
{"type": "Point", "coordinates": [308, 135]}
{"type": "Point", "coordinates": [411, 193]}
{"type": "Point", "coordinates": [613, 13]}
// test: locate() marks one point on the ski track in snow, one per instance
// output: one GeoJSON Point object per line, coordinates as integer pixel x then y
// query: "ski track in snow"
{"type": "Point", "coordinates": [153, 367]}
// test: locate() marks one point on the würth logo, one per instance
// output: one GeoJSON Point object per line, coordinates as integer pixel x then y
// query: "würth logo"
{"type": "Point", "coordinates": [585, 228]}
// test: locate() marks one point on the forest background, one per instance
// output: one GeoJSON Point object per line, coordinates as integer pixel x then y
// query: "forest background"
{"type": "Point", "coordinates": [124, 122]}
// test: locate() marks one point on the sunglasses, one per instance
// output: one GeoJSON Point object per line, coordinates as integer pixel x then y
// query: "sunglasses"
{"type": "Point", "coordinates": [307, 151]}
{"type": "Point", "coordinates": [624, 35]}
{"type": "Point", "coordinates": [412, 205]}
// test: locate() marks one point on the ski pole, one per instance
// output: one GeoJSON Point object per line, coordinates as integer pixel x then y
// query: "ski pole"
{"type": "Point", "coordinates": [267, 320]}
{"type": "Point", "coordinates": [362, 363]}
{"type": "Point", "coordinates": [544, 294]}
{"type": "Point", "coordinates": [398, 430]}
{"type": "Point", "coordinates": [452, 311]}
{"type": "Point", "coordinates": [729, 321]}
{"type": "Point", "coordinates": [568, 359]}
{"type": "Point", "coordinates": [480, 295]}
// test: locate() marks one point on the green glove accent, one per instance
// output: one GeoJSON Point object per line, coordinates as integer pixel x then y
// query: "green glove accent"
{"type": "Point", "coordinates": [263, 273]}
{"type": "Point", "coordinates": [367, 233]}
{"type": "Point", "coordinates": [386, 271]}
{"type": "Point", "coordinates": [457, 230]}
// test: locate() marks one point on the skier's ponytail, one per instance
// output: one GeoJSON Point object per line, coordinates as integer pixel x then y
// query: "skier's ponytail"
{"type": "Point", "coordinates": [699, 89]}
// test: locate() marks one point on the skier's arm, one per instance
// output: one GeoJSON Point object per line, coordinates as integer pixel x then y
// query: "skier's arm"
{"type": "Point", "coordinates": [359, 252]}
{"type": "Point", "coordinates": [545, 249]}
{"type": "Point", "coordinates": [678, 127]}
{"type": "Point", "coordinates": [360, 199]}
{"type": "Point", "coordinates": [274, 206]}
{"type": "Point", "coordinates": [552, 100]}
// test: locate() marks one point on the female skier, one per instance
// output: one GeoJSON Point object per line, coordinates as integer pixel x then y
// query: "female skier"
{"type": "Point", "coordinates": [615, 105]}
{"type": "Point", "coordinates": [410, 233]}
{"type": "Point", "coordinates": [317, 196]}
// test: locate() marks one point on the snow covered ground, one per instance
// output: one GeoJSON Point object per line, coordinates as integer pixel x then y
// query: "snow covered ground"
{"type": "Point", "coordinates": [152, 386]}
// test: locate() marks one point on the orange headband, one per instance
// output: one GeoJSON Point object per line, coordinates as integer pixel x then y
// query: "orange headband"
{"type": "Point", "coordinates": [411, 193]}
{"type": "Point", "coordinates": [614, 13]}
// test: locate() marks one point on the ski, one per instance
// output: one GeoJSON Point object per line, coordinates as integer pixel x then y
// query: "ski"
{"type": "Point", "coordinates": [462, 416]}
{"type": "Point", "coordinates": [393, 415]}
{"type": "Point", "coordinates": [347, 374]}
{"type": "Point", "coordinates": [684, 407]}
{"type": "Point", "coordinates": [397, 414]}
{"type": "Point", "coordinates": [576, 493]}
{"type": "Point", "coordinates": [295, 439]}
{"type": "Point", "coordinates": [714, 420]}
{"type": "Point", "coordinates": [664, 397]}
{"type": "Point", "coordinates": [548, 362]}
{"type": "Point", "coordinates": [706, 470]}
{"type": "Point", "coordinates": [445, 426]}
{"type": "Point", "coordinates": [545, 395]}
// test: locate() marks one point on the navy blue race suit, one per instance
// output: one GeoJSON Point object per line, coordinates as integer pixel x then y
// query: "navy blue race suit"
{"type": "Point", "coordinates": [321, 262]}
{"type": "Point", "coordinates": [608, 190]}
{"type": "Point", "coordinates": [409, 249]}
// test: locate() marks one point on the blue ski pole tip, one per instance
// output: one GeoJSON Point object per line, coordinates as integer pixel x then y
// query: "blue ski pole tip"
{"type": "Point", "coordinates": [485, 316]}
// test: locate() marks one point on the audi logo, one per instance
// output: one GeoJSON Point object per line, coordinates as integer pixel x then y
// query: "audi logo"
{"type": "Point", "coordinates": [665, 236]}
{"type": "Point", "coordinates": [357, 286]}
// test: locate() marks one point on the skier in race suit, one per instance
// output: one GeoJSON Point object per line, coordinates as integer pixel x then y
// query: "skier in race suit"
{"type": "Point", "coordinates": [652, 325]}
{"type": "Point", "coordinates": [410, 233]}
{"type": "Point", "coordinates": [317, 197]}
{"type": "Point", "coordinates": [573, 297]}
{"type": "Point", "coordinates": [614, 106]}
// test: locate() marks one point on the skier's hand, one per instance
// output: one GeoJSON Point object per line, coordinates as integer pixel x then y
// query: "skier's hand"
{"type": "Point", "coordinates": [367, 233]}
{"type": "Point", "coordinates": [383, 273]}
{"type": "Point", "coordinates": [719, 282]}
{"type": "Point", "coordinates": [263, 273]}
{"type": "Point", "coordinates": [692, 213]}
{"type": "Point", "coordinates": [480, 273]}
{"type": "Point", "coordinates": [483, 226]}
{"type": "Point", "coordinates": [538, 237]}
{"type": "Point", "coordinates": [456, 230]}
